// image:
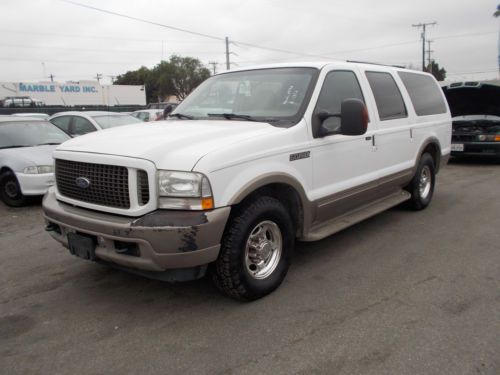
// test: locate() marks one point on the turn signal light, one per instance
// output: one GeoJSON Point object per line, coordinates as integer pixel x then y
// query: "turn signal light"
{"type": "Point", "coordinates": [497, 138]}
{"type": "Point", "coordinates": [207, 203]}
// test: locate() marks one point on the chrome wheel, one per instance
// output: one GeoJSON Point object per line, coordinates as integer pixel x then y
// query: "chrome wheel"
{"type": "Point", "coordinates": [424, 182]}
{"type": "Point", "coordinates": [263, 249]}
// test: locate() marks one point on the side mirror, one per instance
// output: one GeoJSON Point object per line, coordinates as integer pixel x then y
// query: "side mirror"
{"type": "Point", "coordinates": [354, 117]}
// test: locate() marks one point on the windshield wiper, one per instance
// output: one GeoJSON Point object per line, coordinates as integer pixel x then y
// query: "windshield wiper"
{"type": "Point", "coordinates": [48, 143]}
{"type": "Point", "coordinates": [16, 146]}
{"type": "Point", "coordinates": [231, 116]}
{"type": "Point", "coordinates": [181, 115]}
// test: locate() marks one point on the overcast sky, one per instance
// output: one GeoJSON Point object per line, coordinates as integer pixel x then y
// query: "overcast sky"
{"type": "Point", "coordinates": [42, 37]}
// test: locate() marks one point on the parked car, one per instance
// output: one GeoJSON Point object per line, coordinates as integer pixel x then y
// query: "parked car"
{"type": "Point", "coordinates": [26, 164]}
{"type": "Point", "coordinates": [21, 101]}
{"type": "Point", "coordinates": [247, 164]}
{"type": "Point", "coordinates": [162, 105]}
{"type": "Point", "coordinates": [42, 116]}
{"type": "Point", "coordinates": [147, 115]}
{"type": "Point", "coordinates": [475, 107]}
{"type": "Point", "coordinates": [77, 123]}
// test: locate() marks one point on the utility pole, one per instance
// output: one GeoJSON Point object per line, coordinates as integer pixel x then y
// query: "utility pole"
{"type": "Point", "coordinates": [51, 76]}
{"type": "Point", "coordinates": [112, 79]}
{"type": "Point", "coordinates": [423, 26]}
{"type": "Point", "coordinates": [429, 51]}
{"type": "Point", "coordinates": [214, 66]}
{"type": "Point", "coordinates": [228, 63]}
{"type": "Point", "coordinates": [44, 72]}
{"type": "Point", "coordinates": [98, 77]}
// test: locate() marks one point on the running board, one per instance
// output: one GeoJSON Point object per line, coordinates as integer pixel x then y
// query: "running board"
{"type": "Point", "coordinates": [339, 223]}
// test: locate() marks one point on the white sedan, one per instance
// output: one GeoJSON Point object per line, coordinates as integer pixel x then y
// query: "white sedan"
{"type": "Point", "coordinates": [147, 115]}
{"type": "Point", "coordinates": [77, 123]}
{"type": "Point", "coordinates": [26, 164]}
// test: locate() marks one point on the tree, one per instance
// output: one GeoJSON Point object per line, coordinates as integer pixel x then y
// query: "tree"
{"type": "Point", "coordinates": [178, 76]}
{"type": "Point", "coordinates": [437, 72]}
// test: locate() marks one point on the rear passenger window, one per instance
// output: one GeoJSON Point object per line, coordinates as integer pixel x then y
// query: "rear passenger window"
{"type": "Point", "coordinates": [424, 93]}
{"type": "Point", "coordinates": [81, 126]}
{"type": "Point", "coordinates": [62, 123]}
{"type": "Point", "coordinates": [389, 101]}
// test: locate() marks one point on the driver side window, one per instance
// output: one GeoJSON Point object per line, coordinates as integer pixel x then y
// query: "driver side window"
{"type": "Point", "coordinates": [338, 86]}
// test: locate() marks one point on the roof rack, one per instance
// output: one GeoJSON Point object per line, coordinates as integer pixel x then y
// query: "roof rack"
{"type": "Point", "coordinates": [372, 63]}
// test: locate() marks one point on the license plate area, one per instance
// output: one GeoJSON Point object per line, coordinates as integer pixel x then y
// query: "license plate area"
{"type": "Point", "coordinates": [457, 147]}
{"type": "Point", "coordinates": [82, 245]}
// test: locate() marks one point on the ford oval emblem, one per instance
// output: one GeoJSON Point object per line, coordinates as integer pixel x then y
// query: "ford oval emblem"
{"type": "Point", "coordinates": [82, 182]}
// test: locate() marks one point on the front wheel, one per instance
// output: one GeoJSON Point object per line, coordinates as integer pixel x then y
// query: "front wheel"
{"type": "Point", "coordinates": [421, 187]}
{"type": "Point", "coordinates": [10, 191]}
{"type": "Point", "coordinates": [255, 250]}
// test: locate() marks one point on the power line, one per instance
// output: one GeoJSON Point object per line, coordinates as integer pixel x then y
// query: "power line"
{"type": "Point", "coordinates": [143, 20]}
{"type": "Point", "coordinates": [190, 31]}
{"type": "Point", "coordinates": [97, 49]}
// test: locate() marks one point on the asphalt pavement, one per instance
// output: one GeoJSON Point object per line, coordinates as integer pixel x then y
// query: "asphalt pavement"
{"type": "Point", "coordinates": [402, 293]}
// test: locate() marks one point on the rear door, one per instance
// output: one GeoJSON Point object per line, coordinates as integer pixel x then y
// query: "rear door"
{"type": "Point", "coordinates": [392, 140]}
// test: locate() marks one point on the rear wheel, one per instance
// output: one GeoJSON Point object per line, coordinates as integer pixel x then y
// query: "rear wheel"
{"type": "Point", "coordinates": [421, 187]}
{"type": "Point", "coordinates": [10, 191]}
{"type": "Point", "coordinates": [255, 250]}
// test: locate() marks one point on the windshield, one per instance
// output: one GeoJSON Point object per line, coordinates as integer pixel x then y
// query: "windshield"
{"type": "Point", "coordinates": [269, 95]}
{"type": "Point", "coordinates": [110, 121]}
{"type": "Point", "coordinates": [29, 133]}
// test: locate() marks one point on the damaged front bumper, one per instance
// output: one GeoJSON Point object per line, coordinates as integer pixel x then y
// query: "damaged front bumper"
{"type": "Point", "coordinates": [159, 241]}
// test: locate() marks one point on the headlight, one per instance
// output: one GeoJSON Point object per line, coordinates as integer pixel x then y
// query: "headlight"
{"type": "Point", "coordinates": [39, 169]}
{"type": "Point", "coordinates": [184, 191]}
{"type": "Point", "coordinates": [489, 137]}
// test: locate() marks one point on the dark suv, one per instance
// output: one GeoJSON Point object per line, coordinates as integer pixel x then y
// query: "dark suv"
{"type": "Point", "coordinates": [475, 107]}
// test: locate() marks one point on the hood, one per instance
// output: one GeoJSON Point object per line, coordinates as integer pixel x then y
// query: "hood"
{"type": "Point", "coordinates": [479, 99]}
{"type": "Point", "coordinates": [23, 157]}
{"type": "Point", "coordinates": [172, 144]}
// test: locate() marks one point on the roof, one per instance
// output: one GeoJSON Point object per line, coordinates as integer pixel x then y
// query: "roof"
{"type": "Point", "coordinates": [88, 113]}
{"type": "Point", "coordinates": [322, 64]}
{"type": "Point", "coordinates": [21, 119]}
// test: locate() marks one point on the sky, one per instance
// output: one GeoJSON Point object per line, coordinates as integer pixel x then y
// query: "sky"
{"type": "Point", "coordinates": [71, 42]}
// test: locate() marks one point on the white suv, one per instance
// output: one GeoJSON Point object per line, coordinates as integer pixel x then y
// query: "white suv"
{"type": "Point", "coordinates": [250, 162]}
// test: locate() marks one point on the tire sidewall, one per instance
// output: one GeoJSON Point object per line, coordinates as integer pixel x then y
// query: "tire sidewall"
{"type": "Point", "coordinates": [425, 160]}
{"type": "Point", "coordinates": [20, 199]}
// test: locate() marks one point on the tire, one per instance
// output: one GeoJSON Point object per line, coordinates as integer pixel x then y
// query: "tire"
{"type": "Point", "coordinates": [251, 262]}
{"type": "Point", "coordinates": [421, 186]}
{"type": "Point", "coordinates": [10, 191]}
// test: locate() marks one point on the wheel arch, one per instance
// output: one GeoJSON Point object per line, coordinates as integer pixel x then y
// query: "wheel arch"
{"type": "Point", "coordinates": [433, 147]}
{"type": "Point", "coordinates": [286, 189]}
{"type": "Point", "coordinates": [5, 169]}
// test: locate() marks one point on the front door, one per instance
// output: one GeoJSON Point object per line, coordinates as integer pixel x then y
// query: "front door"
{"type": "Point", "coordinates": [343, 166]}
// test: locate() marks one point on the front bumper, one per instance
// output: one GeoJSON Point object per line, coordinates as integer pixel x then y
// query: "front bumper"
{"type": "Point", "coordinates": [165, 239]}
{"type": "Point", "coordinates": [35, 184]}
{"type": "Point", "coordinates": [478, 149]}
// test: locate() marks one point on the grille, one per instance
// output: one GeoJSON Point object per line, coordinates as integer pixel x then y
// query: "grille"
{"type": "Point", "coordinates": [463, 137]}
{"type": "Point", "coordinates": [142, 187]}
{"type": "Point", "coordinates": [108, 183]}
